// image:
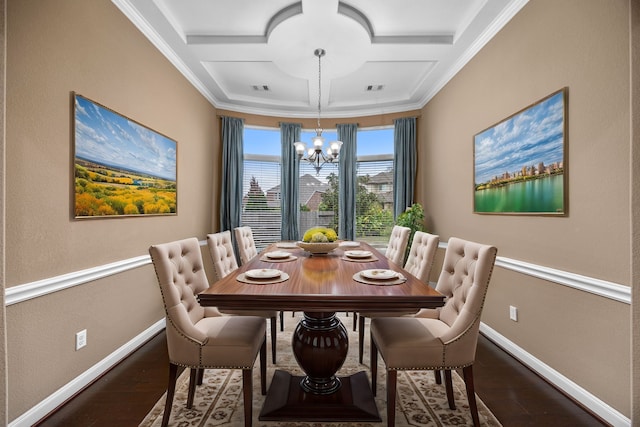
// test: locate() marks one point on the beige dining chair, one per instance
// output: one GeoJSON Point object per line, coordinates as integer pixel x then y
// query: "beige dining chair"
{"type": "Point", "coordinates": [445, 341]}
{"type": "Point", "coordinates": [247, 251]}
{"type": "Point", "coordinates": [397, 246]}
{"type": "Point", "coordinates": [224, 262]}
{"type": "Point", "coordinates": [246, 245]}
{"type": "Point", "coordinates": [419, 262]}
{"type": "Point", "coordinates": [395, 252]}
{"type": "Point", "coordinates": [200, 338]}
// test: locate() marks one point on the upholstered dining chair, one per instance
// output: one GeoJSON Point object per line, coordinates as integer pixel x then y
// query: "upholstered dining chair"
{"type": "Point", "coordinates": [246, 245]}
{"type": "Point", "coordinates": [199, 337]}
{"type": "Point", "coordinates": [247, 250]}
{"type": "Point", "coordinates": [395, 252]}
{"type": "Point", "coordinates": [419, 262]}
{"type": "Point", "coordinates": [398, 241]}
{"type": "Point", "coordinates": [445, 341]}
{"type": "Point", "coordinates": [224, 262]}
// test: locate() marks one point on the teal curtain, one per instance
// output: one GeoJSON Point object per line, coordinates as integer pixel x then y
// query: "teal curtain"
{"type": "Point", "coordinates": [347, 133]}
{"type": "Point", "coordinates": [404, 163]}
{"type": "Point", "coordinates": [232, 170]}
{"type": "Point", "coordinates": [289, 133]}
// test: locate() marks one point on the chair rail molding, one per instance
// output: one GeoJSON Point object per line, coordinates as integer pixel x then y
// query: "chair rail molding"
{"type": "Point", "coordinates": [27, 291]}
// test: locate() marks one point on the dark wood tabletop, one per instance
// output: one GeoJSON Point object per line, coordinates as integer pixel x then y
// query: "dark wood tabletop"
{"type": "Point", "coordinates": [320, 283]}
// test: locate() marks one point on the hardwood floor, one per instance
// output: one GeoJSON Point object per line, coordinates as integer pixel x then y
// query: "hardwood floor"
{"type": "Point", "coordinates": [124, 395]}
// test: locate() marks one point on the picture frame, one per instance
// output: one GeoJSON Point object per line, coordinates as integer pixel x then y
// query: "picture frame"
{"type": "Point", "coordinates": [121, 168]}
{"type": "Point", "coordinates": [520, 163]}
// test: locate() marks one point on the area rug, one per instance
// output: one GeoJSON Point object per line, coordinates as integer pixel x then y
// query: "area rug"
{"type": "Point", "coordinates": [218, 401]}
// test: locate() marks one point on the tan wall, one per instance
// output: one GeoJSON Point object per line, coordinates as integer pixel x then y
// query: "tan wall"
{"type": "Point", "coordinates": [548, 45]}
{"type": "Point", "coordinates": [3, 329]}
{"type": "Point", "coordinates": [635, 207]}
{"type": "Point", "coordinates": [54, 49]}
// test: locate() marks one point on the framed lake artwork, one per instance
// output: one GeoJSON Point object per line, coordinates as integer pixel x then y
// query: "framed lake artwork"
{"type": "Point", "coordinates": [520, 163]}
{"type": "Point", "coordinates": [121, 167]}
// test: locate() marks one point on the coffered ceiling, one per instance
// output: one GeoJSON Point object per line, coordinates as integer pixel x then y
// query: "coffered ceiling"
{"type": "Point", "coordinates": [257, 56]}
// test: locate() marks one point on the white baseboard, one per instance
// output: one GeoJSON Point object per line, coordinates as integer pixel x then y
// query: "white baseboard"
{"type": "Point", "coordinates": [56, 399]}
{"type": "Point", "coordinates": [579, 394]}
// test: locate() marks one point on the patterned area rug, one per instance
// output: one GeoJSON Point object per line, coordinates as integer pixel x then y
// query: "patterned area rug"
{"type": "Point", "coordinates": [218, 402]}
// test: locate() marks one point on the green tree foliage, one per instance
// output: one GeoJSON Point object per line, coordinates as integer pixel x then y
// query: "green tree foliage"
{"type": "Point", "coordinates": [256, 199]}
{"type": "Point", "coordinates": [371, 218]}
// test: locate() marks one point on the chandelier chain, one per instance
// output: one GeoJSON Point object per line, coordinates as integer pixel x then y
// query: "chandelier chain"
{"type": "Point", "coordinates": [316, 157]}
{"type": "Point", "coordinates": [319, 53]}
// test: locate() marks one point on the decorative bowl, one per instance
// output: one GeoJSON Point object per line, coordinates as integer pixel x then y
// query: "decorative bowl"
{"type": "Point", "coordinates": [318, 248]}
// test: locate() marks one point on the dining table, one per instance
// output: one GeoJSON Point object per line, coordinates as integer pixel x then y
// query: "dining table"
{"type": "Point", "coordinates": [352, 277]}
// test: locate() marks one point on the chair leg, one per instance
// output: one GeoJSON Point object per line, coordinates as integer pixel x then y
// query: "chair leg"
{"type": "Point", "coordinates": [281, 321]}
{"type": "Point", "coordinates": [247, 387]}
{"type": "Point", "coordinates": [193, 381]}
{"type": "Point", "coordinates": [274, 331]}
{"type": "Point", "coordinates": [449, 387]}
{"type": "Point", "coordinates": [471, 394]}
{"type": "Point", "coordinates": [360, 338]}
{"type": "Point", "coordinates": [171, 388]}
{"type": "Point", "coordinates": [355, 320]}
{"type": "Point", "coordinates": [392, 378]}
{"type": "Point", "coordinates": [200, 376]}
{"type": "Point", "coordinates": [373, 358]}
{"type": "Point", "coordinates": [436, 374]}
{"type": "Point", "coordinates": [263, 367]}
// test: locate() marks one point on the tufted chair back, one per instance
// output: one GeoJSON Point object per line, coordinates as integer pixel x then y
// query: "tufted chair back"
{"type": "Point", "coordinates": [222, 255]}
{"type": "Point", "coordinates": [181, 277]}
{"type": "Point", "coordinates": [398, 242]}
{"type": "Point", "coordinates": [246, 244]}
{"type": "Point", "coordinates": [465, 276]}
{"type": "Point", "coordinates": [446, 340]}
{"type": "Point", "coordinates": [421, 255]}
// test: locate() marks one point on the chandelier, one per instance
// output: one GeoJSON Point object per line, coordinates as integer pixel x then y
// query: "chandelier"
{"type": "Point", "coordinates": [315, 156]}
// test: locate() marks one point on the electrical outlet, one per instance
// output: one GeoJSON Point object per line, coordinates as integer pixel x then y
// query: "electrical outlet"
{"type": "Point", "coordinates": [81, 339]}
{"type": "Point", "coordinates": [513, 313]}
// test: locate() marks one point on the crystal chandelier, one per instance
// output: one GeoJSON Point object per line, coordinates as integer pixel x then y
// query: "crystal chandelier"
{"type": "Point", "coordinates": [315, 156]}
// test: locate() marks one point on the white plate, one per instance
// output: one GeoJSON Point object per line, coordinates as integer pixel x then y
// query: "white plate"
{"type": "Point", "coordinates": [263, 273]}
{"type": "Point", "coordinates": [378, 274]}
{"type": "Point", "coordinates": [358, 254]}
{"type": "Point", "coordinates": [287, 245]}
{"type": "Point", "coordinates": [278, 254]}
{"type": "Point", "coordinates": [349, 244]}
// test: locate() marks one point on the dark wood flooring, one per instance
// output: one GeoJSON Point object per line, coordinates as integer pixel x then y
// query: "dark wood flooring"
{"type": "Point", "coordinates": [124, 395]}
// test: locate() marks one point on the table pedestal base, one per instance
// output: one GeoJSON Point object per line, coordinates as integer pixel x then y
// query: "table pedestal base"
{"type": "Point", "coordinates": [286, 400]}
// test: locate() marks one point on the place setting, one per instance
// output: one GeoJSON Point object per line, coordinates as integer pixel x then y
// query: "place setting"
{"type": "Point", "coordinates": [379, 277]}
{"type": "Point", "coordinates": [359, 256]}
{"type": "Point", "coordinates": [349, 244]}
{"type": "Point", "coordinates": [287, 245]}
{"type": "Point", "coordinates": [262, 276]}
{"type": "Point", "coordinates": [278, 256]}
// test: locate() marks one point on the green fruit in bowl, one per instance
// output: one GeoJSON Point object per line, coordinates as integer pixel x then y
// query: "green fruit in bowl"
{"type": "Point", "coordinates": [319, 235]}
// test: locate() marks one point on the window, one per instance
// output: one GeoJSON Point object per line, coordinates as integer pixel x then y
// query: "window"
{"type": "Point", "coordinates": [261, 185]}
{"type": "Point", "coordinates": [318, 193]}
{"type": "Point", "coordinates": [374, 195]}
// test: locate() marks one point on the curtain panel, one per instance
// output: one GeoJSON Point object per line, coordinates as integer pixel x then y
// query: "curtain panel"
{"type": "Point", "coordinates": [347, 133]}
{"type": "Point", "coordinates": [404, 163]}
{"type": "Point", "coordinates": [232, 173]}
{"type": "Point", "coordinates": [289, 181]}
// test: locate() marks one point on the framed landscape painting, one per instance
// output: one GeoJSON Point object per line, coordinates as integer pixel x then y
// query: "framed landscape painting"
{"type": "Point", "coordinates": [520, 163]}
{"type": "Point", "coordinates": [121, 167]}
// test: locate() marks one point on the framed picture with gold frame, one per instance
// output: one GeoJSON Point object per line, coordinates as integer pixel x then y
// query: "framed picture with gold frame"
{"type": "Point", "coordinates": [121, 167]}
{"type": "Point", "coordinates": [520, 163]}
